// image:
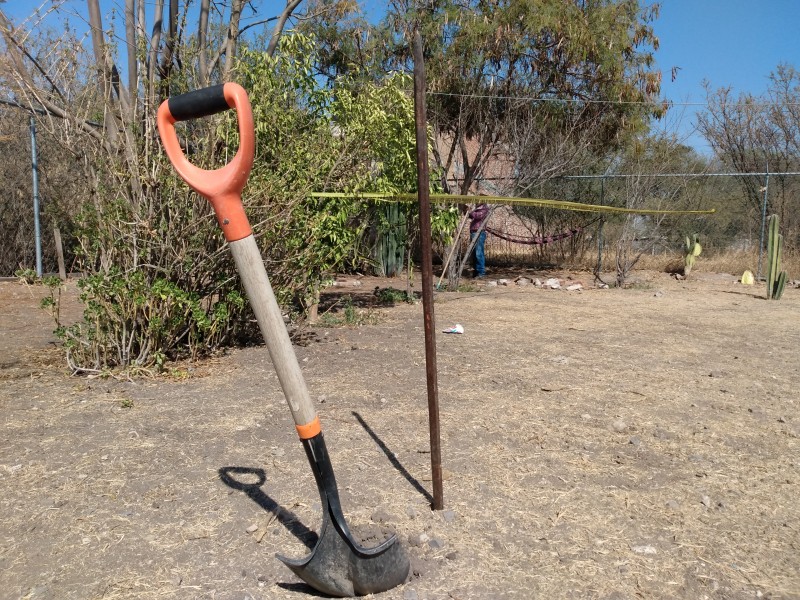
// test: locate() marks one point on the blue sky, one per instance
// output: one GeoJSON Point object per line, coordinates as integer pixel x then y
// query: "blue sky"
{"type": "Point", "coordinates": [734, 43]}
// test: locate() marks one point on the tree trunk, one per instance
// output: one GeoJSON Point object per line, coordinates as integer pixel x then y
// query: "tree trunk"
{"type": "Point", "coordinates": [291, 5]}
{"type": "Point", "coordinates": [98, 47]}
{"type": "Point", "coordinates": [232, 39]}
{"type": "Point", "coordinates": [202, 44]}
{"type": "Point", "coordinates": [130, 43]}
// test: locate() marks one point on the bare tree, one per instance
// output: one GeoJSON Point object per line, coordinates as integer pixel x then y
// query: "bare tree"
{"type": "Point", "coordinates": [644, 188]}
{"type": "Point", "coordinates": [758, 134]}
{"type": "Point", "coordinates": [139, 224]}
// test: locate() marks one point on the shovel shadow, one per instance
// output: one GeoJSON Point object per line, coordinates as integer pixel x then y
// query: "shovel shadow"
{"type": "Point", "coordinates": [239, 478]}
{"type": "Point", "coordinates": [393, 459]}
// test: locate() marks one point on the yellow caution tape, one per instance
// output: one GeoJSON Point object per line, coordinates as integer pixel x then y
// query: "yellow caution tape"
{"type": "Point", "coordinates": [559, 204]}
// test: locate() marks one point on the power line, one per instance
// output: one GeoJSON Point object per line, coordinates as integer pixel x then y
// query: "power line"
{"type": "Point", "coordinates": [659, 104]}
{"type": "Point", "coordinates": [634, 175]}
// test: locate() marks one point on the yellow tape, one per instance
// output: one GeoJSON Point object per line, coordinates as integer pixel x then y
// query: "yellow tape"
{"type": "Point", "coordinates": [559, 204]}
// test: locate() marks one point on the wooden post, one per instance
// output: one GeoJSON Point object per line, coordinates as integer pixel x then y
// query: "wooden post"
{"type": "Point", "coordinates": [423, 191]}
{"type": "Point", "coordinates": [62, 271]}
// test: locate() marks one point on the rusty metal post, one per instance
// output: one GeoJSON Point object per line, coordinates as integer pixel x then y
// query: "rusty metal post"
{"type": "Point", "coordinates": [423, 187]}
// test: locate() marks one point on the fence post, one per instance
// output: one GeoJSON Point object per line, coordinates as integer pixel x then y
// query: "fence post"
{"type": "Point", "coordinates": [36, 224]}
{"type": "Point", "coordinates": [763, 223]}
{"type": "Point", "coordinates": [423, 191]}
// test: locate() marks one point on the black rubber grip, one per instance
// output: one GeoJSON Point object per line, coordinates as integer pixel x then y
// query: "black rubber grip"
{"type": "Point", "coordinates": [199, 103]}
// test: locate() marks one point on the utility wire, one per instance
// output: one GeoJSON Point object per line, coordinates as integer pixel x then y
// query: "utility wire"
{"type": "Point", "coordinates": [654, 103]}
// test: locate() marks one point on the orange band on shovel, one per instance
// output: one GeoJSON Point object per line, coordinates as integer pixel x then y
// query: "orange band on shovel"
{"type": "Point", "coordinates": [223, 187]}
{"type": "Point", "coordinates": [309, 430]}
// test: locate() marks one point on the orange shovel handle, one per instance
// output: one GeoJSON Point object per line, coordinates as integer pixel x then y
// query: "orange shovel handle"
{"type": "Point", "coordinates": [222, 187]}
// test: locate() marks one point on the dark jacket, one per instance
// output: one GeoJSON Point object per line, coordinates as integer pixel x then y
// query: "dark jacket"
{"type": "Point", "coordinates": [478, 216]}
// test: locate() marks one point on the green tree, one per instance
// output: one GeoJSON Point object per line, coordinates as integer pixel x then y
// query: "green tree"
{"type": "Point", "coordinates": [542, 85]}
{"type": "Point", "coordinates": [159, 283]}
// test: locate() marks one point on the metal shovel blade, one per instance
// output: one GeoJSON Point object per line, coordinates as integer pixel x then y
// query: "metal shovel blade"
{"type": "Point", "coordinates": [338, 565]}
{"type": "Point", "coordinates": [334, 568]}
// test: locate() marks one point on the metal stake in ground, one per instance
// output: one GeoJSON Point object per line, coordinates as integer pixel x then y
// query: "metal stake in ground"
{"type": "Point", "coordinates": [423, 183]}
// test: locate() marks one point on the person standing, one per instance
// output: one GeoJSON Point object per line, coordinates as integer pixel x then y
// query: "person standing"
{"type": "Point", "coordinates": [478, 216]}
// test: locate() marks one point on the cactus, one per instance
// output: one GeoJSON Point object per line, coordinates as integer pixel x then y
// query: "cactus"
{"type": "Point", "coordinates": [390, 246]}
{"type": "Point", "coordinates": [776, 279]}
{"type": "Point", "coordinates": [693, 250]}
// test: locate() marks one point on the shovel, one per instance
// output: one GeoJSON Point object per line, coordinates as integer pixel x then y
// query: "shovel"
{"type": "Point", "coordinates": [338, 565]}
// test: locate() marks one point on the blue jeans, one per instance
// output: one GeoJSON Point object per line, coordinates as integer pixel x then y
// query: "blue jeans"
{"type": "Point", "coordinates": [478, 256]}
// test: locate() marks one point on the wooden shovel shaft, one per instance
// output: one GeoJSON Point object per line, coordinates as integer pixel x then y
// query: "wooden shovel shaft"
{"type": "Point", "coordinates": [268, 314]}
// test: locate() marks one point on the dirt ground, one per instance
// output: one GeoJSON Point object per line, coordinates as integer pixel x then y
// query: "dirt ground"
{"type": "Point", "coordinates": [610, 444]}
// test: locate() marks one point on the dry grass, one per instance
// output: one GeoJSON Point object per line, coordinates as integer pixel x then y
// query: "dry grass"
{"type": "Point", "coordinates": [605, 444]}
{"type": "Point", "coordinates": [731, 262]}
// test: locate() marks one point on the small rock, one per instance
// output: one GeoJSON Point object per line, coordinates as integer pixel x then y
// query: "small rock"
{"type": "Point", "coordinates": [436, 543]}
{"type": "Point", "coordinates": [357, 283]}
{"type": "Point", "coordinates": [523, 281]}
{"type": "Point", "coordinates": [575, 287]}
{"type": "Point", "coordinates": [416, 540]}
{"type": "Point", "coordinates": [176, 580]}
{"type": "Point", "coordinates": [502, 282]}
{"type": "Point", "coordinates": [491, 283]}
{"type": "Point", "coordinates": [705, 501]}
{"type": "Point", "coordinates": [672, 505]}
{"type": "Point", "coordinates": [537, 282]}
{"type": "Point", "coordinates": [659, 294]}
{"type": "Point", "coordinates": [602, 286]}
{"type": "Point", "coordinates": [410, 595]}
{"type": "Point", "coordinates": [277, 452]}
{"type": "Point", "coordinates": [644, 549]}
{"type": "Point", "coordinates": [449, 516]}
{"type": "Point", "coordinates": [619, 425]}
{"type": "Point", "coordinates": [635, 441]}
{"type": "Point", "coordinates": [781, 419]}
{"type": "Point", "coordinates": [252, 529]}
{"type": "Point", "coordinates": [412, 512]}
{"type": "Point", "coordinates": [552, 283]}
{"type": "Point", "coordinates": [451, 555]}
{"type": "Point", "coordinates": [586, 416]}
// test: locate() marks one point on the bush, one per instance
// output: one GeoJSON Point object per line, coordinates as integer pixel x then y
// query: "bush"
{"type": "Point", "coordinates": [160, 283]}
